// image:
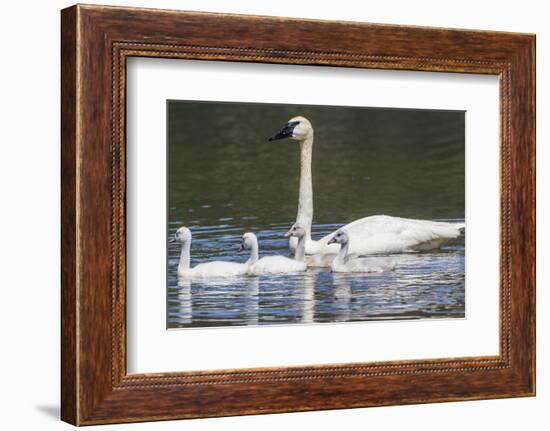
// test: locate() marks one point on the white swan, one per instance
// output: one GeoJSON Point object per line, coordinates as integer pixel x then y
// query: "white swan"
{"type": "Point", "coordinates": [276, 264]}
{"type": "Point", "coordinates": [370, 235]}
{"type": "Point", "coordinates": [208, 269]}
{"type": "Point", "coordinates": [345, 263]}
{"type": "Point", "coordinates": [320, 260]}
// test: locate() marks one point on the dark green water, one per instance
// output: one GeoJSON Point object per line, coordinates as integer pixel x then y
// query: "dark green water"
{"type": "Point", "coordinates": [225, 178]}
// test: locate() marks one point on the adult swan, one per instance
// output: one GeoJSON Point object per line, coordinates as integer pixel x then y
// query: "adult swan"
{"type": "Point", "coordinates": [369, 235]}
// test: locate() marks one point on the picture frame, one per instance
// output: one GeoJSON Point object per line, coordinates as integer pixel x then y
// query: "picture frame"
{"type": "Point", "coordinates": [96, 42]}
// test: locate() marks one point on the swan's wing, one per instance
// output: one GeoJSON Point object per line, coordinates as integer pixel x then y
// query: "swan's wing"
{"type": "Point", "coordinates": [277, 264]}
{"type": "Point", "coordinates": [320, 260]}
{"type": "Point", "coordinates": [218, 268]}
{"type": "Point", "coordinates": [372, 264]}
{"type": "Point", "coordinates": [385, 234]}
{"type": "Point", "coordinates": [392, 234]}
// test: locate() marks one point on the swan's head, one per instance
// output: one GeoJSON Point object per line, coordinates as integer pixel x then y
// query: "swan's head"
{"type": "Point", "coordinates": [297, 230]}
{"type": "Point", "coordinates": [339, 237]}
{"type": "Point", "coordinates": [248, 241]}
{"type": "Point", "coordinates": [183, 234]}
{"type": "Point", "coordinates": [298, 128]}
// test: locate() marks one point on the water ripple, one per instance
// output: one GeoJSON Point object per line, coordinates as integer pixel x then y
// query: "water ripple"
{"type": "Point", "coordinates": [423, 285]}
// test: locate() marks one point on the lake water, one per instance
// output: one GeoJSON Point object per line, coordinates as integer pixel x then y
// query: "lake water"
{"type": "Point", "coordinates": [225, 179]}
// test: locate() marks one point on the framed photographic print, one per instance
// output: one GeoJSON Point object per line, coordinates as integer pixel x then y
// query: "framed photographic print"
{"type": "Point", "coordinates": [268, 215]}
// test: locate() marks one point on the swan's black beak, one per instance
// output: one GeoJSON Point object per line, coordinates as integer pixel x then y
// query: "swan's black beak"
{"type": "Point", "coordinates": [285, 132]}
{"type": "Point", "coordinates": [332, 240]}
{"type": "Point", "coordinates": [241, 247]}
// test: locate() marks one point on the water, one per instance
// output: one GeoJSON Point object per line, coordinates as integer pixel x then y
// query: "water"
{"type": "Point", "coordinates": [224, 179]}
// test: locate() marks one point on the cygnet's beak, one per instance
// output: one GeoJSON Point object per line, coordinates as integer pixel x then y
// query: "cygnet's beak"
{"type": "Point", "coordinates": [332, 240]}
{"type": "Point", "coordinates": [288, 234]}
{"type": "Point", "coordinates": [285, 132]}
{"type": "Point", "coordinates": [172, 239]}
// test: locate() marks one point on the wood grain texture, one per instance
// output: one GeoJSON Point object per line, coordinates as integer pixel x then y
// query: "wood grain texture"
{"type": "Point", "coordinates": [69, 331]}
{"type": "Point", "coordinates": [96, 42]}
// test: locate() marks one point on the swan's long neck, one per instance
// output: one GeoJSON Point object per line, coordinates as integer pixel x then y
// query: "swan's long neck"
{"type": "Point", "coordinates": [342, 254]}
{"type": "Point", "coordinates": [185, 257]}
{"type": "Point", "coordinates": [300, 253]}
{"type": "Point", "coordinates": [305, 197]}
{"type": "Point", "coordinates": [253, 253]}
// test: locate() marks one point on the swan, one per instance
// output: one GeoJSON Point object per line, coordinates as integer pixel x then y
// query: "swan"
{"type": "Point", "coordinates": [320, 260]}
{"type": "Point", "coordinates": [204, 270]}
{"type": "Point", "coordinates": [276, 264]}
{"type": "Point", "coordinates": [345, 263]}
{"type": "Point", "coordinates": [371, 235]}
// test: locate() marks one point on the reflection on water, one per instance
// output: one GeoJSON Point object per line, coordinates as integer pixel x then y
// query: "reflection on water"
{"type": "Point", "coordinates": [224, 179]}
{"type": "Point", "coordinates": [423, 285]}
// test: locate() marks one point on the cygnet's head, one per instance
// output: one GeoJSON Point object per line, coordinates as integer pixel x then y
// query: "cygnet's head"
{"type": "Point", "coordinates": [298, 128]}
{"type": "Point", "coordinates": [297, 230]}
{"type": "Point", "coordinates": [183, 234]}
{"type": "Point", "coordinates": [339, 237]}
{"type": "Point", "coordinates": [247, 241]}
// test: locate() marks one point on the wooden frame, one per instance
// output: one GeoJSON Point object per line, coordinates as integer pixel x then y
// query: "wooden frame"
{"type": "Point", "coordinates": [96, 41]}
